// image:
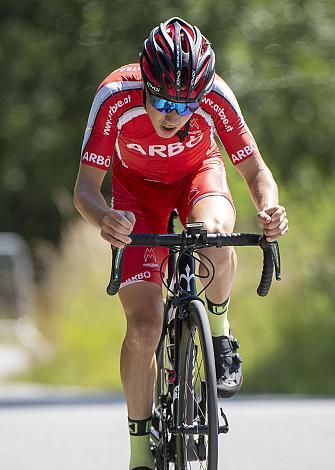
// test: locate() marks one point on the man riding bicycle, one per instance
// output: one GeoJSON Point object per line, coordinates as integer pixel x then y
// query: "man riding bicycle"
{"type": "Point", "coordinates": [154, 123]}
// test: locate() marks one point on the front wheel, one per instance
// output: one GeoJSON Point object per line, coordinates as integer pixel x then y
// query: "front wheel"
{"type": "Point", "coordinates": [197, 442]}
{"type": "Point", "coordinates": [162, 442]}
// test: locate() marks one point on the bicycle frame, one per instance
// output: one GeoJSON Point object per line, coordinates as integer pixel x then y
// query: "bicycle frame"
{"type": "Point", "coordinates": [182, 289]}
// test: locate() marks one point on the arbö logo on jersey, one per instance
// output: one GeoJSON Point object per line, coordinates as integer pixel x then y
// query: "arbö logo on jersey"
{"type": "Point", "coordinates": [139, 277]}
{"type": "Point", "coordinates": [169, 150]}
{"type": "Point", "coordinates": [97, 159]}
{"type": "Point", "coordinates": [150, 259]}
{"type": "Point", "coordinates": [153, 87]}
{"type": "Point", "coordinates": [241, 154]}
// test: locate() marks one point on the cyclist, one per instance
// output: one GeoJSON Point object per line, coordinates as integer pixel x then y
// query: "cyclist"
{"type": "Point", "coordinates": [154, 124]}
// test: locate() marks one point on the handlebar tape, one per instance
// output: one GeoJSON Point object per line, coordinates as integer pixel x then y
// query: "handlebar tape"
{"type": "Point", "coordinates": [267, 272]}
{"type": "Point", "coordinates": [116, 271]}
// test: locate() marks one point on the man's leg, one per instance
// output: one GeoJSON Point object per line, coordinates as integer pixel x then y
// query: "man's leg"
{"type": "Point", "coordinates": [218, 215]}
{"type": "Point", "coordinates": [143, 306]}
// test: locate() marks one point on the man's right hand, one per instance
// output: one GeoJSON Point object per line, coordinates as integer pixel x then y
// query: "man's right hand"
{"type": "Point", "coordinates": [116, 226]}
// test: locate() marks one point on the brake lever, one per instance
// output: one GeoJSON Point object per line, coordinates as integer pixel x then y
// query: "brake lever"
{"type": "Point", "coordinates": [276, 259]}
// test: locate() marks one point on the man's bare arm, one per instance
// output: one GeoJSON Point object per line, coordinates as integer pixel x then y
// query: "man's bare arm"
{"type": "Point", "coordinates": [264, 192]}
{"type": "Point", "coordinates": [88, 198]}
{"type": "Point", "coordinates": [115, 225]}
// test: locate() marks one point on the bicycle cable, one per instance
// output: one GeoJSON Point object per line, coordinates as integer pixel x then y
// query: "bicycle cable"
{"type": "Point", "coordinates": [201, 263]}
{"type": "Point", "coordinates": [161, 272]}
{"type": "Point", "coordinates": [197, 258]}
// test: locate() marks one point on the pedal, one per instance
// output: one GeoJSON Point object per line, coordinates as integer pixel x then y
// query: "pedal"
{"type": "Point", "coordinates": [223, 429]}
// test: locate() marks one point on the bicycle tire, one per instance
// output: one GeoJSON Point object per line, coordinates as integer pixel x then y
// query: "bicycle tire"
{"type": "Point", "coordinates": [164, 356]}
{"type": "Point", "coordinates": [197, 403]}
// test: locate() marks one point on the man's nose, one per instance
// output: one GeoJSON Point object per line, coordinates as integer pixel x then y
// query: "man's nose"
{"type": "Point", "coordinates": [172, 117]}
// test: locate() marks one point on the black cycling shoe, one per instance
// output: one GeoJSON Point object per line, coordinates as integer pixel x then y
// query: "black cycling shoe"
{"type": "Point", "coordinates": [227, 365]}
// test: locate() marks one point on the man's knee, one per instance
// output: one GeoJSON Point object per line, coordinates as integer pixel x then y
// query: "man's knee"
{"type": "Point", "coordinates": [143, 306]}
{"type": "Point", "coordinates": [216, 213]}
{"type": "Point", "coordinates": [223, 258]}
{"type": "Point", "coordinates": [143, 330]}
{"type": "Point", "coordinates": [217, 225]}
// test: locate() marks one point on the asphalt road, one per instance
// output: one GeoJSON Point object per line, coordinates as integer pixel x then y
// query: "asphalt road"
{"type": "Point", "coordinates": [48, 429]}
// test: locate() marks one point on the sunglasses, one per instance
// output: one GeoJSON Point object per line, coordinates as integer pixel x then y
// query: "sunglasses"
{"type": "Point", "coordinates": [166, 106]}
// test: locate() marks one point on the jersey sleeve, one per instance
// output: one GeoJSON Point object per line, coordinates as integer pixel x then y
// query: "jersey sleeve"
{"type": "Point", "coordinates": [101, 131]}
{"type": "Point", "coordinates": [224, 112]}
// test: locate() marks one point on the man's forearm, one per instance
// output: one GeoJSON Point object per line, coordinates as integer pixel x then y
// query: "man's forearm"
{"type": "Point", "coordinates": [91, 204]}
{"type": "Point", "coordinates": [263, 190]}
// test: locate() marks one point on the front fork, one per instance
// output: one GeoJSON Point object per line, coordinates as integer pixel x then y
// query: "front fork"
{"type": "Point", "coordinates": [185, 288]}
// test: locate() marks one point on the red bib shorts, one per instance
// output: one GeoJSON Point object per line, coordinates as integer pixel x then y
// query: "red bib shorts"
{"type": "Point", "coordinates": [152, 203]}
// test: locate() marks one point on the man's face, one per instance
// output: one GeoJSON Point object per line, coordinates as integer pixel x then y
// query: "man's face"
{"type": "Point", "coordinates": [165, 125]}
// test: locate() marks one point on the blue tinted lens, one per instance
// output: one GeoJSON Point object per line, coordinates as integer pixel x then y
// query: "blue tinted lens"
{"type": "Point", "coordinates": [158, 103]}
{"type": "Point", "coordinates": [165, 106]}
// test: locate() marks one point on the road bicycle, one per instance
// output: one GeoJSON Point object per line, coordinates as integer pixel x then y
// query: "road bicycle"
{"type": "Point", "coordinates": [186, 421]}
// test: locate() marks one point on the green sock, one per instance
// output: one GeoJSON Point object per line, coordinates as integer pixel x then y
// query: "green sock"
{"type": "Point", "coordinates": [140, 452]}
{"type": "Point", "coordinates": [218, 318]}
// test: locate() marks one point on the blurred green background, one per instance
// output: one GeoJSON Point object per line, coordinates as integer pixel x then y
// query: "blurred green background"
{"type": "Point", "coordinates": [278, 57]}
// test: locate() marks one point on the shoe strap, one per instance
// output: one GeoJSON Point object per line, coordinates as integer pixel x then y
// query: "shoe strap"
{"type": "Point", "coordinates": [224, 344]}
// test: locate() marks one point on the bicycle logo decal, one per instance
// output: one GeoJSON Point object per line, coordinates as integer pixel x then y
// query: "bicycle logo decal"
{"type": "Point", "coordinates": [188, 277]}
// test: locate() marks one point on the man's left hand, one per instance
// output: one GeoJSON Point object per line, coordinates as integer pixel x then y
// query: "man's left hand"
{"type": "Point", "coordinates": [274, 222]}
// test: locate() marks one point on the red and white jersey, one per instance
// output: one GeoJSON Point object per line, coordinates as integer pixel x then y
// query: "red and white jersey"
{"type": "Point", "coordinates": [120, 132]}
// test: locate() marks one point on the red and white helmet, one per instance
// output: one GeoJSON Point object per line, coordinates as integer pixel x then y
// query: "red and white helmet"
{"type": "Point", "coordinates": [177, 62]}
